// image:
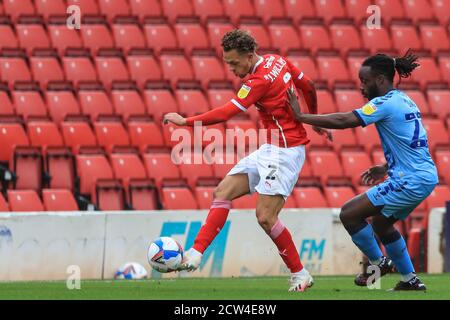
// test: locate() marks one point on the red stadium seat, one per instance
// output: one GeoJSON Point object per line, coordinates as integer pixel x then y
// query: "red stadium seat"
{"type": "Point", "coordinates": [391, 9]}
{"type": "Point", "coordinates": [4, 206]}
{"type": "Point", "coordinates": [207, 67]}
{"type": "Point", "coordinates": [299, 9]}
{"type": "Point", "coordinates": [77, 134]}
{"type": "Point", "coordinates": [325, 164]}
{"type": "Point", "coordinates": [439, 102]}
{"type": "Point", "coordinates": [257, 30]}
{"type": "Point", "coordinates": [344, 36]}
{"type": "Point", "coordinates": [191, 35]}
{"type": "Point", "coordinates": [8, 38]}
{"type": "Point", "coordinates": [438, 197]}
{"type": "Point", "coordinates": [309, 197]}
{"type": "Point", "coordinates": [343, 138]}
{"type": "Point", "coordinates": [235, 9]}
{"type": "Point", "coordinates": [434, 37]}
{"type": "Point", "coordinates": [378, 157]}
{"type": "Point", "coordinates": [27, 164]}
{"type": "Point", "coordinates": [441, 9]}
{"type": "Point", "coordinates": [143, 195]}
{"type": "Point", "coordinates": [332, 68]}
{"type": "Point", "coordinates": [354, 62]}
{"type": "Point", "coordinates": [28, 100]}
{"type": "Point", "coordinates": [13, 66]}
{"type": "Point", "coordinates": [191, 97]}
{"type": "Point", "coordinates": [90, 168]}
{"type": "Point", "coordinates": [443, 163]}
{"type": "Point", "coordinates": [404, 36]}
{"type": "Point", "coordinates": [94, 101]}
{"type": "Point", "coordinates": [159, 35]}
{"type": "Point", "coordinates": [110, 134]}
{"type": "Point", "coordinates": [59, 200]}
{"type": "Point", "coordinates": [109, 195]}
{"type": "Point", "coordinates": [144, 133]}
{"type": "Point", "coordinates": [61, 101]}
{"type": "Point", "coordinates": [31, 33]}
{"type": "Point", "coordinates": [145, 8]}
{"type": "Point", "coordinates": [143, 67]}
{"type": "Point", "coordinates": [46, 67]}
{"type": "Point", "coordinates": [418, 9]}
{"type": "Point", "coordinates": [314, 35]}
{"type": "Point", "coordinates": [348, 100]}
{"type": "Point", "coordinates": [127, 33]}
{"type": "Point", "coordinates": [96, 34]}
{"type": "Point", "coordinates": [316, 140]}
{"type": "Point", "coordinates": [24, 200]}
{"type": "Point", "coordinates": [60, 165]}
{"type": "Point", "coordinates": [206, 9]}
{"type": "Point", "coordinates": [218, 97]}
{"type": "Point", "coordinates": [367, 137]}
{"type": "Point", "coordinates": [283, 36]}
{"type": "Point", "coordinates": [203, 195]}
{"type": "Point", "coordinates": [444, 66]}
{"type": "Point", "coordinates": [44, 134]}
{"type": "Point", "coordinates": [15, 8]}
{"type": "Point", "coordinates": [177, 198]}
{"type": "Point", "coordinates": [375, 40]}
{"type": "Point", "coordinates": [428, 72]}
{"type": "Point", "coordinates": [175, 67]}
{"type": "Point", "coordinates": [305, 63]}
{"type": "Point", "coordinates": [419, 99]}
{"type": "Point", "coordinates": [160, 101]}
{"type": "Point", "coordinates": [11, 135]}
{"type": "Point", "coordinates": [160, 166]}
{"type": "Point", "coordinates": [127, 166]}
{"type": "Point", "coordinates": [329, 9]}
{"type": "Point", "coordinates": [6, 106]}
{"type": "Point", "coordinates": [126, 100]}
{"type": "Point", "coordinates": [221, 167]}
{"type": "Point", "coordinates": [354, 164]}
{"type": "Point", "coordinates": [357, 9]}
{"type": "Point", "coordinates": [216, 29]}
{"type": "Point", "coordinates": [192, 171]}
{"type": "Point", "coordinates": [114, 8]}
{"type": "Point", "coordinates": [268, 10]}
{"type": "Point", "coordinates": [337, 196]}
{"type": "Point", "coordinates": [111, 67]}
{"type": "Point", "coordinates": [87, 7]}
{"type": "Point", "coordinates": [174, 9]}
{"type": "Point", "coordinates": [243, 128]}
{"type": "Point", "coordinates": [78, 66]}
{"type": "Point", "coordinates": [325, 102]}
{"type": "Point", "coordinates": [245, 202]}
{"type": "Point", "coordinates": [47, 8]}
{"type": "Point", "coordinates": [436, 132]}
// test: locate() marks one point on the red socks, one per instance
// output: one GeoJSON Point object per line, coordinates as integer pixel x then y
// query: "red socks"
{"type": "Point", "coordinates": [214, 223]}
{"type": "Point", "coordinates": [286, 247]}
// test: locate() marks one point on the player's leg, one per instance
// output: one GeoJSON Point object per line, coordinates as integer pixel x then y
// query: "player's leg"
{"type": "Point", "coordinates": [267, 209]}
{"type": "Point", "coordinates": [231, 187]}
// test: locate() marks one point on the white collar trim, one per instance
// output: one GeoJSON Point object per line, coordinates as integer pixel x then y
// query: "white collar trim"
{"type": "Point", "coordinates": [261, 59]}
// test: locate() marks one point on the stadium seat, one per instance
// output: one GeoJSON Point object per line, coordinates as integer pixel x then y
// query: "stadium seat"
{"type": "Point", "coordinates": [325, 102]}
{"type": "Point", "coordinates": [4, 206]}
{"type": "Point", "coordinates": [109, 195]}
{"type": "Point", "coordinates": [355, 163]}
{"type": "Point", "coordinates": [404, 36]}
{"type": "Point", "coordinates": [439, 100]}
{"type": "Point", "coordinates": [243, 128]}
{"type": "Point", "coordinates": [159, 166]}
{"type": "Point", "coordinates": [90, 168]}
{"type": "Point", "coordinates": [11, 135]}
{"type": "Point", "coordinates": [283, 35]}
{"type": "Point", "coordinates": [290, 203]}
{"type": "Point", "coordinates": [391, 9]}
{"type": "Point", "coordinates": [6, 106]}
{"type": "Point", "coordinates": [269, 9]}
{"type": "Point", "coordinates": [47, 8]}
{"type": "Point", "coordinates": [357, 9]}
{"type": "Point", "coordinates": [44, 134]}
{"type": "Point", "coordinates": [438, 197]}
{"type": "Point", "coordinates": [257, 29]}
{"type": "Point", "coordinates": [96, 34]}
{"type": "Point", "coordinates": [61, 101]}
{"type": "Point", "coordinates": [204, 196]}
{"type": "Point", "coordinates": [143, 67]}
{"type": "Point", "coordinates": [207, 9]}
{"type": "Point", "coordinates": [127, 33]}
{"type": "Point", "coordinates": [314, 35]}
{"type": "Point", "coordinates": [127, 166]}
{"type": "Point", "coordinates": [61, 168]}
{"type": "Point", "coordinates": [111, 133]}
{"type": "Point", "coordinates": [236, 9]}
{"type": "Point", "coordinates": [77, 133]}
{"type": "Point", "coordinates": [436, 132]}
{"type": "Point", "coordinates": [434, 37]}
{"type": "Point", "coordinates": [427, 73]}
{"type": "Point", "coordinates": [111, 66]}
{"type": "Point", "coordinates": [418, 9]}
{"type": "Point", "coordinates": [78, 66]}
{"type": "Point", "coordinates": [332, 68]}
{"type": "Point", "coordinates": [192, 171]}
{"type": "Point", "coordinates": [177, 198]}
{"type": "Point", "coordinates": [367, 137]}
{"type": "Point", "coordinates": [299, 9]}
{"type": "Point", "coordinates": [207, 67]}
{"type": "Point", "coordinates": [343, 138]}
{"type": "Point", "coordinates": [88, 7]}
{"type": "Point", "coordinates": [305, 63]}
{"type": "Point", "coordinates": [378, 156]}
{"type": "Point", "coordinates": [348, 100]}
{"type": "Point", "coordinates": [309, 197]}
{"type": "Point", "coordinates": [419, 99]}
{"type": "Point", "coordinates": [175, 67]}
{"type": "Point", "coordinates": [191, 97]}
{"type": "Point", "coordinates": [375, 40]}
{"type": "Point", "coordinates": [114, 8]}
{"type": "Point", "coordinates": [325, 165]}
{"type": "Point", "coordinates": [173, 136]}
{"type": "Point", "coordinates": [354, 62]}
{"type": "Point", "coordinates": [442, 158]}
{"type": "Point", "coordinates": [444, 66]}
{"type": "Point", "coordinates": [15, 8]}
{"type": "Point", "coordinates": [144, 133]}
{"type": "Point", "coordinates": [344, 36]}
{"type": "Point", "coordinates": [24, 200]}
{"type": "Point", "coordinates": [216, 29]}
{"type": "Point", "coordinates": [13, 66]}
{"type": "Point", "coordinates": [58, 200]}
{"type": "Point", "coordinates": [145, 8]}
{"type": "Point", "coordinates": [31, 33]}
{"type": "Point", "coordinates": [126, 100]}
{"type": "Point", "coordinates": [245, 202]}
{"type": "Point", "coordinates": [218, 97]}
{"type": "Point", "coordinates": [28, 100]}
{"type": "Point", "coordinates": [45, 67]}
{"type": "Point", "coordinates": [8, 38]}
{"type": "Point", "coordinates": [316, 140]}
{"type": "Point", "coordinates": [337, 196]}
{"type": "Point", "coordinates": [27, 164]}
{"type": "Point", "coordinates": [174, 9]}
{"type": "Point", "coordinates": [143, 195]}
{"type": "Point", "coordinates": [441, 9]}
{"type": "Point", "coordinates": [329, 9]}
{"type": "Point", "coordinates": [94, 101]}
{"type": "Point", "coordinates": [223, 165]}
{"type": "Point", "coordinates": [160, 100]}
{"type": "Point", "coordinates": [159, 35]}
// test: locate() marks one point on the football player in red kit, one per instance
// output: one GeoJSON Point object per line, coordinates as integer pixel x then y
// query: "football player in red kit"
{"type": "Point", "coordinates": [272, 171]}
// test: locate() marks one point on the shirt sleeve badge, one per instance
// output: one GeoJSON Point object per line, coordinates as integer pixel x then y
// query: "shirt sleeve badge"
{"type": "Point", "coordinates": [244, 91]}
{"type": "Point", "coordinates": [368, 109]}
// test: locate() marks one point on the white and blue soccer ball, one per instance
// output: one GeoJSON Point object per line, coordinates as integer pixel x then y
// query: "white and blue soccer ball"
{"type": "Point", "coordinates": [165, 254]}
{"type": "Point", "coordinates": [131, 271]}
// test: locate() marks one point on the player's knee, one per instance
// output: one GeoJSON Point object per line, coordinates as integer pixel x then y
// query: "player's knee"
{"type": "Point", "coordinates": [265, 218]}
{"type": "Point", "coordinates": [345, 214]}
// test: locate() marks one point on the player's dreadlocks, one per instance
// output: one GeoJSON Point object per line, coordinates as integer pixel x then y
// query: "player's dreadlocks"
{"type": "Point", "coordinates": [386, 65]}
{"type": "Point", "coordinates": [240, 40]}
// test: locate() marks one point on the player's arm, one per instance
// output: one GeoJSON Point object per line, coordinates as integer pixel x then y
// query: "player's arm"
{"type": "Point", "coordinates": [305, 85]}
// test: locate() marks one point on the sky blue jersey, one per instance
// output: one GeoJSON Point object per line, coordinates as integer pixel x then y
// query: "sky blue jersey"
{"type": "Point", "coordinates": [403, 137]}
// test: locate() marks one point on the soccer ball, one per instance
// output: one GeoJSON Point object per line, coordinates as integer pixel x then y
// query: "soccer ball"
{"type": "Point", "coordinates": [165, 254]}
{"type": "Point", "coordinates": [131, 271]}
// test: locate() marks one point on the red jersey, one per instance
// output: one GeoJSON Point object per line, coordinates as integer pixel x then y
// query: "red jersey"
{"type": "Point", "coordinates": [266, 87]}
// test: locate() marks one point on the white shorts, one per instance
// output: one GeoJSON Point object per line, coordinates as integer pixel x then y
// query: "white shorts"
{"type": "Point", "coordinates": [272, 170]}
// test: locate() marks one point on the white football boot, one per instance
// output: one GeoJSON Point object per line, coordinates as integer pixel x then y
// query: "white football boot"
{"type": "Point", "coordinates": [300, 281]}
{"type": "Point", "coordinates": [191, 260]}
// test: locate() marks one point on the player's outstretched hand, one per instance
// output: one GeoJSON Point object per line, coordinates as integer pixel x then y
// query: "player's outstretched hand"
{"type": "Point", "coordinates": [175, 118]}
{"type": "Point", "coordinates": [323, 131]}
{"type": "Point", "coordinates": [373, 175]}
{"type": "Point", "coordinates": [294, 102]}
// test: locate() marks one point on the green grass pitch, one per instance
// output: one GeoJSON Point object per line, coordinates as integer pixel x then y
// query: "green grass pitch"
{"type": "Point", "coordinates": [264, 288]}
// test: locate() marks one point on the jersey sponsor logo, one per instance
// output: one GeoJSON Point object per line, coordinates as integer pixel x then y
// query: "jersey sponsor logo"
{"type": "Point", "coordinates": [368, 109]}
{"type": "Point", "coordinates": [244, 91]}
{"type": "Point", "coordinates": [287, 76]}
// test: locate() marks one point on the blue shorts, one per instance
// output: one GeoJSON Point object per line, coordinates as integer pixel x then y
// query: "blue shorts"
{"type": "Point", "coordinates": [399, 198]}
